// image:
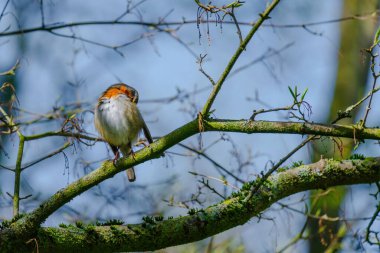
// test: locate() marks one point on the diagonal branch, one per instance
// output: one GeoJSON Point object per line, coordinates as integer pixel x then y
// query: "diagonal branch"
{"type": "Point", "coordinates": [231, 63]}
{"type": "Point", "coordinates": [32, 220]}
{"type": "Point", "coordinates": [258, 126]}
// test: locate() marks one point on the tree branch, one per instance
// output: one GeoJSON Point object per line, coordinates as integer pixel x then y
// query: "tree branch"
{"type": "Point", "coordinates": [157, 233]}
{"type": "Point", "coordinates": [60, 25]}
{"type": "Point", "coordinates": [30, 223]}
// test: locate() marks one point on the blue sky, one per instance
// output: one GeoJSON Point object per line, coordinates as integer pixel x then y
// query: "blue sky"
{"type": "Point", "coordinates": [158, 65]}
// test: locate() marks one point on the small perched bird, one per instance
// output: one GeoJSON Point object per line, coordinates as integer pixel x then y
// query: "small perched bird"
{"type": "Point", "coordinates": [118, 121]}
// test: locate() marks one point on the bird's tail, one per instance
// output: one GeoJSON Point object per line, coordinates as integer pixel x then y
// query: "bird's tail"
{"type": "Point", "coordinates": [127, 150]}
{"type": "Point", "coordinates": [131, 174]}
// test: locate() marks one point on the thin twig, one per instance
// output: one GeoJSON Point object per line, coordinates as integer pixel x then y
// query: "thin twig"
{"type": "Point", "coordinates": [295, 238]}
{"type": "Point", "coordinates": [66, 145]}
{"type": "Point", "coordinates": [269, 53]}
{"type": "Point", "coordinates": [232, 14]}
{"type": "Point", "coordinates": [180, 96]}
{"type": "Point", "coordinates": [323, 217]}
{"type": "Point", "coordinates": [224, 182]}
{"type": "Point", "coordinates": [200, 62]}
{"type": "Point", "coordinates": [368, 230]}
{"type": "Point", "coordinates": [42, 13]}
{"type": "Point", "coordinates": [257, 112]}
{"type": "Point", "coordinates": [375, 77]}
{"type": "Point", "coordinates": [6, 168]}
{"type": "Point", "coordinates": [57, 26]}
{"type": "Point", "coordinates": [347, 112]}
{"type": "Point", "coordinates": [216, 164]}
{"type": "Point", "coordinates": [61, 133]}
{"type": "Point", "coordinates": [3, 11]}
{"type": "Point", "coordinates": [12, 70]}
{"type": "Point", "coordinates": [261, 181]}
{"type": "Point", "coordinates": [129, 9]}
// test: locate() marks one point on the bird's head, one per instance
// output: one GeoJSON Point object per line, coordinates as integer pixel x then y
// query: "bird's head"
{"type": "Point", "coordinates": [121, 89]}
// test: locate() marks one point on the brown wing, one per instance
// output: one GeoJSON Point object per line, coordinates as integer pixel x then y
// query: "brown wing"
{"type": "Point", "coordinates": [146, 132]}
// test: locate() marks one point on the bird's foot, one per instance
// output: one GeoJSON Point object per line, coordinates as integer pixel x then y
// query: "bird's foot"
{"type": "Point", "coordinates": [142, 142]}
{"type": "Point", "coordinates": [117, 156]}
{"type": "Point", "coordinates": [132, 153]}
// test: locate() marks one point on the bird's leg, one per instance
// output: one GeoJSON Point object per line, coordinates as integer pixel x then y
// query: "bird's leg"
{"type": "Point", "coordinates": [116, 152]}
{"type": "Point", "coordinates": [143, 142]}
{"type": "Point", "coordinates": [131, 152]}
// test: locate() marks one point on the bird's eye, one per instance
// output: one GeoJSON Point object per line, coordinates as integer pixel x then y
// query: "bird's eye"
{"type": "Point", "coordinates": [137, 96]}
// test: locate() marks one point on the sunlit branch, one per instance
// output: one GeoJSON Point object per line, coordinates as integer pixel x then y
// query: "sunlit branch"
{"type": "Point", "coordinates": [107, 170]}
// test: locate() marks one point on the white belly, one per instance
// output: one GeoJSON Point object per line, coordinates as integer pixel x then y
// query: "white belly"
{"type": "Point", "coordinates": [118, 121]}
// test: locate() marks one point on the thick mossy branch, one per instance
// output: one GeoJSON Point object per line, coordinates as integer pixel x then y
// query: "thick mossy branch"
{"type": "Point", "coordinates": [204, 223]}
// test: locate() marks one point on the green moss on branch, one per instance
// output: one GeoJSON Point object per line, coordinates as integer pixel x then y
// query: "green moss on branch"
{"type": "Point", "coordinates": [210, 221]}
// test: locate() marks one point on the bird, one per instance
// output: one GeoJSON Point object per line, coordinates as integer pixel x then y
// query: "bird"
{"type": "Point", "coordinates": [119, 121]}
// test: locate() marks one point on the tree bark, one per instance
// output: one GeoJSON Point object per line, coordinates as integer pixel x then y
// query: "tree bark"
{"type": "Point", "coordinates": [156, 233]}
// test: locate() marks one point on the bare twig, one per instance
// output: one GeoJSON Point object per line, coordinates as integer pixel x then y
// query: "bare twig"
{"type": "Point", "coordinates": [66, 145]}
{"type": "Point", "coordinates": [12, 70]}
{"type": "Point", "coordinates": [3, 11]}
{"type": "Point", "coordinates": [347, 112]}
{"type": "Point", "coordinates": [255, 187]}
{"type": "Point", "coordinates": [205, 183]}
{"type": "Point", "coordinates": [58, 26]}
{"type": "Point", "coordinates": [368, 230]}
{"type": "Point", "coordinates": [129, 8]}
{"type": "Point", "coordinates": [232, 15]}
{"type": "Point", "coordinates": [268, 54]}
{"type": "Point", "coordinates": [295, 238]}
{"type": "Point", "coordinates": [200, 62]}
{"type": "Point", "coordinates": [223, 181]}
{"type": "Point", "coordinates": [375, 77]}
{"type": "Point", "coordinates": [42, 13]}
{"type": "Point", "coordinates": [216, 164]}
{"type": "Point", "coordinates": [6, 168]}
